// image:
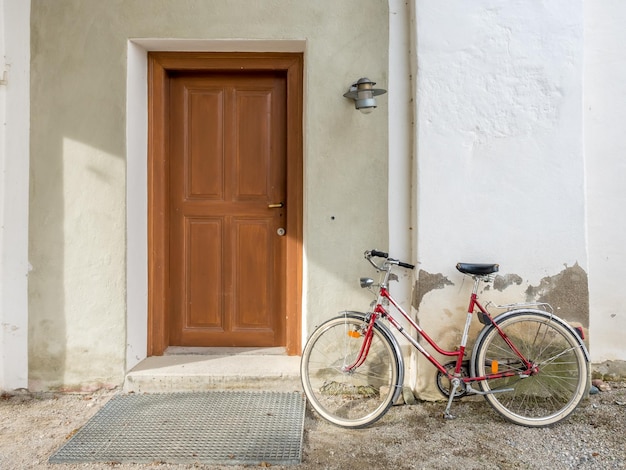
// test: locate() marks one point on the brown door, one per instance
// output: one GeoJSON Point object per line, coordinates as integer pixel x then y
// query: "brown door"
{"type": "Point", "coordinates": [224, 152]}
{"type": "Point", "coordinates": [227, 196]}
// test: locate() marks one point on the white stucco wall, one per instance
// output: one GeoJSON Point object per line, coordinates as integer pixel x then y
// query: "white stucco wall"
{"type": "Point", "coordinates": [14, 160]}
{"type": "Point", "coordinates": [605, 149]}
{"type": "Point", "coordinates": [500, 171]}
{"type": "Point", "coordinates": [82, 164]}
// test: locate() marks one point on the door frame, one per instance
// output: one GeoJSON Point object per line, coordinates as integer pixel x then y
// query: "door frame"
{"type": "Point", "coordinates": [159, 66]}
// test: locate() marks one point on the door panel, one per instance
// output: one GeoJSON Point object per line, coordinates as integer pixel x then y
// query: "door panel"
{"type": "Point", "coordinates": [252, 275]}
{"type": "Point", "coordinates": [204, 242]}
{"type": "Point", "coordinates": [227, 164]}
{"type": "Point", "coordinates": [205, 138]}
{"type": "Point", "coordinates": [253, 145]}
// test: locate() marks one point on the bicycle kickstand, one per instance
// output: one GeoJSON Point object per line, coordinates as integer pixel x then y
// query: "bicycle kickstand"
{"type": "Point", "coordinates": [456, 383]}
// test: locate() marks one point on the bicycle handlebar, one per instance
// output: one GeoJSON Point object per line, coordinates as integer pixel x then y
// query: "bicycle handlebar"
{"type": "Point", "coordinates": [382, 254]}
{"type": "Point", "coordinates": [379, 254]}
{"type": "Point", "coordinates": [406, 265]}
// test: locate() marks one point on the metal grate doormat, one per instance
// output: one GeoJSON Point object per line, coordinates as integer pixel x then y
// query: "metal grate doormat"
{"type": "Point", "coordinates": [217, 427]}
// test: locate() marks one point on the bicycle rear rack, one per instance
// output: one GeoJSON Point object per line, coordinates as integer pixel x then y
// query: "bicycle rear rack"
{"type": "Point", "coordinates": [538, 305]}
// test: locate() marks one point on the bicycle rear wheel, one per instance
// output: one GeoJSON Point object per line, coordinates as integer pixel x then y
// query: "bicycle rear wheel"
{"type": "Point", "coordinates": [560, 382]}
{"type": "Point", "coordinates": [359, 397]}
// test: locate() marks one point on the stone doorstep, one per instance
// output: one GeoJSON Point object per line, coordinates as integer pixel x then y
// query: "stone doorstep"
{"type": "Point", "coordinates": [196, 369]}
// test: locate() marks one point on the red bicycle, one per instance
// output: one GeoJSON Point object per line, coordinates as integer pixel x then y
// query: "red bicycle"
{"type": "Point", "coordinates": [531, 366]}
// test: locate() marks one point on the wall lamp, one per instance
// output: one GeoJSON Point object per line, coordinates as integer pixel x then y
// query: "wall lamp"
{"type": "Point", "coordinates": [363, 92]}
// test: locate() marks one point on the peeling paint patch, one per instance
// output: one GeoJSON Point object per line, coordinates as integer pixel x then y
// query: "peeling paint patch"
{"type": "Point", "coordinates": [567, 292]}
{"type": "Point", "coordinates": [427, 282]}
{"type": "Point", "coordinates": [502, 282]}
{"type": "Point", "coordinates": [610, 370]}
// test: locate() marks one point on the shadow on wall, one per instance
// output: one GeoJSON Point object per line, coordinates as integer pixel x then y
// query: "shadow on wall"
{"type": "Point", "coordinates": [76, 239]}
{"type": "Point", "coordinates": [47, 328]}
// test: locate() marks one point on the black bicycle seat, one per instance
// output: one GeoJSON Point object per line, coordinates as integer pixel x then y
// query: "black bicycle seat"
{"type": "Point", "coordinates": [477, 269]}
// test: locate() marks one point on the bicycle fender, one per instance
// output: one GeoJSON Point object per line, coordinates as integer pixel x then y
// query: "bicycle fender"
{"type": "Point", "coordinates": [542, 313]}
{"type": "Point", "coordinates": [392, 340]}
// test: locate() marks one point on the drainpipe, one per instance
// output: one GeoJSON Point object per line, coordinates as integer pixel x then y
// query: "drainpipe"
{"type": "Point", "coordinates": [400, 99]}
{"type": "Point", "coordinates": [400, 145]}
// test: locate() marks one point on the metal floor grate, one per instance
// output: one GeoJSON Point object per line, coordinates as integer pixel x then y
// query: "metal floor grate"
{"type": "Point", "coordinates": [220, 428]}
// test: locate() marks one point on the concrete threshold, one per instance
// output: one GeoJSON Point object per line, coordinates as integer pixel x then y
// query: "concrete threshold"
{"type": "Point", "coordinates": [197, 369]}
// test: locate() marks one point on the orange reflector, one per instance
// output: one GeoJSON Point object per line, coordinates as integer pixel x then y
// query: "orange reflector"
{"type": "Point", "coordinates": [354, 334]}
{"type": "Point", "coordinates": [494, 367]}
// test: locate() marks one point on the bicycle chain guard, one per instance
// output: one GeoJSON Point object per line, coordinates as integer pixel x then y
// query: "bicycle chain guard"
{"type": "Point", "coordinates": [443, 383]}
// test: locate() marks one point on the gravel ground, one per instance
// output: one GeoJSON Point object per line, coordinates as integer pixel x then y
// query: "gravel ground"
{"type": "Point", "coordinates": [34, 426]}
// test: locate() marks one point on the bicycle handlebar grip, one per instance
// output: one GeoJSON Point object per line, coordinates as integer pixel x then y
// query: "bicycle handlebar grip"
{"type": "Point", "coordinates": [406, 265]}
{"type": "Point", "coordinates": [379, 254]}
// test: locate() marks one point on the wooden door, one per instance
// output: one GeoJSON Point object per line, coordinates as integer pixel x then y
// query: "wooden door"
{"type": "Point", "coordinates": [227, 208]}
{"type": "Point", "coordinates": [225, 144]}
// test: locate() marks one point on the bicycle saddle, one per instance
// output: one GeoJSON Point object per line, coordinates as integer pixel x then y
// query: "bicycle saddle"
{"type": "Point", "coordinates": [477, 269]}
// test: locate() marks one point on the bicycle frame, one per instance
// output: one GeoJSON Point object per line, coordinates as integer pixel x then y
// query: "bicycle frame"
{"type": "Point", "coordinates": [459, 354]}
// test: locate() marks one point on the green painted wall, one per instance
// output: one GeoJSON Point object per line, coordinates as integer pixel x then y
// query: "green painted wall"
{"type": "Point", "coordinates": [77, 287]}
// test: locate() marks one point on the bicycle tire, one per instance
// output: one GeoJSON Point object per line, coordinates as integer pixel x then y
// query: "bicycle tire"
{"type": "Point", "coordinates": [350, 399]}
{"type": "Point", "coordinates": [548, 396]}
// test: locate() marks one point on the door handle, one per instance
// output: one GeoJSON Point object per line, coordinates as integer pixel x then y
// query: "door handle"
{"type": "Point", "coordinates": [279, 205]}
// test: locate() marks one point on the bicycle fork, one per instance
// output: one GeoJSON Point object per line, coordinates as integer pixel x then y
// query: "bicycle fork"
{"type": "Point", "coordinates": [365, 347]}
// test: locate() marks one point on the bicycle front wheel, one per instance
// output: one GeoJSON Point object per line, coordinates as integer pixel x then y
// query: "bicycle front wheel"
{"type": "Point", "coordinates": [356, 398]}
{"type": "Point", "coordinates": [557, 386]}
